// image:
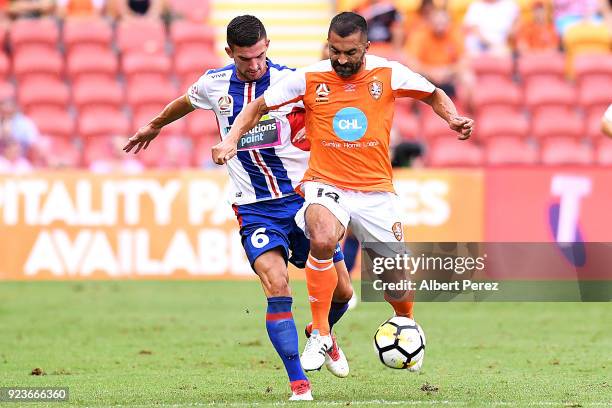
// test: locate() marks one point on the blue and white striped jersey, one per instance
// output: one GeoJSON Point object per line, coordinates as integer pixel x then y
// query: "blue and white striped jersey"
{"type": "Point", "coordinates": [267, 165]}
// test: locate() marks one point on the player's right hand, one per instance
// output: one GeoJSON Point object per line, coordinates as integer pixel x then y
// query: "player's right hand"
{"type": "Point", "coordinates": [141, 139]}
{"type": "Point", "coordinates": [224, 151]}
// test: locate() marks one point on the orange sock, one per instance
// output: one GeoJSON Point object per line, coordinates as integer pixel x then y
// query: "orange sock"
{"type": "Point", "coordinates": [403, 306]}
{"type": "Point", "coordinates": [321, 280]}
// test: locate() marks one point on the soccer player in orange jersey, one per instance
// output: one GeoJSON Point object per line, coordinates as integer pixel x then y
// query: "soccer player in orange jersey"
{"type": "Point", "coordinates": [349, 101]}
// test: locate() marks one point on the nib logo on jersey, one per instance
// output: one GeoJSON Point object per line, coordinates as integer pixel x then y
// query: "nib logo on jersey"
{"type": "Point", "coordinates": [265, 134]}
{"type": "Point", "coordinates": [350, 124]}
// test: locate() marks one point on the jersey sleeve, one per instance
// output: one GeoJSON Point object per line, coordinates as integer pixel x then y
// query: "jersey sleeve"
{"type": "Point", "coordinates": [406, 83]}
{"type": "Point", "coordinates": [290, 89]}
{"type": "Point", "coordinates": [198, 95]}
{"type": "Point", "coordinates": [608, 114]}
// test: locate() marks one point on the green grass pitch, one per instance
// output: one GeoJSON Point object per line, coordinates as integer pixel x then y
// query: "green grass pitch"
{"type": "Point", "coordinates": [183, 344]}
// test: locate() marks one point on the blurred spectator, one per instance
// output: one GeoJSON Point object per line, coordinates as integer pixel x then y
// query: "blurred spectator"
{"type": "Point", "coordinates": [407, 154]}
{"type": "Point", "coordinates": [439, 54]}
{"type": "Point", "coordinates": [139, 8]}
{"type": "Point", "coordinates": [115, 159]}
{"type": "Point", "coordinates": [569, 12]}
{"type": "Point", "coordinates": [421, 19]}
{"type": "Point", "coordinates": [605, 8]}
{"type": "Point", "coordinates": [15, 126]}
{"type": "Point", "coordinates": [80, 8]}
{"type": "Point", "coordinates": [12, 159]}
{"type": "Point", "coordinates": [27, 8]}
{"type": "Point", "coordinates": [606, 122]}
{"type": "Point", "coordinates": [537, 34]}
{"type": "Point", "coordinates": [490, 25]}
{"type": "Point", "coordinates": [385, 31]}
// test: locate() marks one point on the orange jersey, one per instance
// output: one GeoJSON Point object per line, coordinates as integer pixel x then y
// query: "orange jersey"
{"type": "Point", "coordinates": [348, 121]}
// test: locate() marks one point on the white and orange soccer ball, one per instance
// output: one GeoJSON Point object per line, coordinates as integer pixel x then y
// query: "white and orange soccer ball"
{"type": "Point", "coordinates": [400, 343]}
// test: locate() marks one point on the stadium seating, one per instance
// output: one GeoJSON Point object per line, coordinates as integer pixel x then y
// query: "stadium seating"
{"type": "Point", "coordinates": [595, 93]}
{"type": "Point", "coordinates": [187, 33]}
{"type": "Point", "coordinates": [565, 151]}
{"type": "Point", "coordinates": [202, 155]}
{"type": "Point", "coordinates": [53, 121]}
{"type": "Point", "coordinates": [192, 61]}
{"type": "Point", "coordinates": [194, 10]}
{"type": "Point", "coordinates": [143, 116]}
{"type": "Point", "coordinates": [143, 96]}
{"type": "Point", "coordinates": [541, 66]}
{"type": "Point", "coordinates": [551, 124]}
{"type": "Point", "coordinates": [503, 150]}
{"type": "Point", "coordinates": [604, 152]}
{"type": "Point", "coordinates": [141, 35]}
{"type": "Point", "coordinates": [4, 66]}
{"type": "Point", "coordinates": [202, 124]}
{"type": "Point", "coordinates": [407, 124]}
{"type": "Point", "coordinates": [168, 152]}
{"type": "Point", "coordinates": [453, 152]}
{"type": "Point", "coordinates": [502, 124]}
{"type": "Point", "coordinates": [593, 124]}
{"type": "Point", "coordinates": [26, 32]}
{"type": "Point", "coordinates": [37, 62]}
{"type": "Point", "coordinates": [549, 94]}
{"type": "Point", "coordinates": [91, 64]}
{"type": "Point", "coordinates": [147, 67]}
{"type": "Point", "coordinates": [103, 122]}
{"type": "Point", "coordinates": [593, 67]}
{"type": "Point", "coordinates": [497, 68]}
{"type": "Point", "coordinates": [43, 93]}
{"type": "Point", "coordinates": [92, 94]}
{"type": "Point", "coordinates": [495, 94]}
{"type": "Point", "coordinates": [59, 152]}
{"type": "Point", "coordinates": [88, 33]}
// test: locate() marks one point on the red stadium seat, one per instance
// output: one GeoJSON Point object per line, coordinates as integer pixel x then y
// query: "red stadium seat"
{"type": "Point", "coordinates": [566, 151]}
{"type": "Point", "coordinates": [501, 150]}
{"type": "Point", "coordinates": [187, 33]}
{"type": "Point", "coordinates": [144, 96]}
{"type": "Point", "coordinates": [193, 61]}
{"type": "Point", "coordinates": [90, 33]}
{"type": "Point", "coordinates": [434, 127]}
{"type": "Point", "coordinates": [550, 94]}
{"type": "Point", "coordinates": [4, 66]}
{"type": "Point", "coordinates": [406, 124]}
{"type": "Point", "coordinates": [202, 124]}
{"type": "Point", "coordinates": [37, 63]}
{"type": "Point", "coordinates": [7, 90]}
{"type": "Point", "coordinates": [97, 93]}
{"type": "Point", "coordinates": [589, 66]}
{"type": "Point", "coordinates": [195, 10]}
{"type": "Point", "coordinates": [59, 152]}
{"type": "Point", "coordinates": [153, 67]}
{"type": "Point", "coordinates": [86, 63]}
{"type": "Point", "coordinates": [43, 93]}
{"type": "Point", "coordinates": [26, 32]}
{"type": "Point", "coordinates": [202, 156]}
{"type": "Point", "coordinates": [54, 122]}
{"type": "Point", "coordinates": [604, 152]}
{"type": "Point", "coordinates": [595, 93]}
{"type": "Point", "coordinates": [142, 35]}
{"type": "Point", "coordinates": [593, 124]}
{"type": "Point", "coordinates": [170, 152]}
{"type": "Point", "coordinates": [541, 66]}
{"type": "Point", "coordinates": [553, 124]}
{"type": "Point", "coordinates": [103, 122]}
{"type": "Point", "coordinates": [487, 67]}
{"type": "Point", "coordinates": [453, 152]}
{"type": "Point", "coordinates": [497, 93]}
{"type": "Point", "coordinates": [502, 124]}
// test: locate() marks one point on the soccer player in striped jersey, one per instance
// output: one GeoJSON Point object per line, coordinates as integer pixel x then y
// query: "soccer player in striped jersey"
{"type": "Point", "coordinates": [263, 175]}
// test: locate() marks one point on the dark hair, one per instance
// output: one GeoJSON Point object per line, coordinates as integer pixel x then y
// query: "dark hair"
{"type": "Point", "coordinates": [245, 31]}
{"type": "Point", "coordinates": [347, 23]}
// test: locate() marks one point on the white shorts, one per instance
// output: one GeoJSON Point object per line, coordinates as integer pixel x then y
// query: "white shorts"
{"type": "Point", "coordinates": [372, 216]}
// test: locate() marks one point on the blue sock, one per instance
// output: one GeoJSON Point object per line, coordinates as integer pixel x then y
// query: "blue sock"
{"type": "Point", "coordinates": [283, 335]}
{"type": "Point", "coordinates": [351, 247]}
{"type": "Point", "coordinates": [335, 312]}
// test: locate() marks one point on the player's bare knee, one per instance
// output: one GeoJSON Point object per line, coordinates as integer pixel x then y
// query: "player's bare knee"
{"type": "Point", "coordinates": [279, 286]}
{"type": "Point", "coordinates": [343, 292]}
{"type": "Point", "coordinates": [323, 245]}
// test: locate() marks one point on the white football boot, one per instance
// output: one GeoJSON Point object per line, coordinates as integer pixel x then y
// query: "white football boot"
{"type": "Point", "coordinates": [335, 360]}
{"type": "Point", "coordinates": [315, 351]}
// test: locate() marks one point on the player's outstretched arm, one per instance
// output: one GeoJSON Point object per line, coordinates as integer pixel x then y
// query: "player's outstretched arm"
{"type": "Point", "coordinates": [445, 108]}
{"type": "Point", "coordinates": [173, 111]}
{"type": "Point", "coordinates": [606, 122]}
{"type": "Point", "coordinates": [245, 121]}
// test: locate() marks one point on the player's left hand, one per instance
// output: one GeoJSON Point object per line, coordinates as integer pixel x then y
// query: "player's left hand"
{"type": "Point", "coordinates": [300, 135]}
{"type": "Point", "coordinates": [223, 152]}
{"type": "Point", "coordinates": [462, 125]}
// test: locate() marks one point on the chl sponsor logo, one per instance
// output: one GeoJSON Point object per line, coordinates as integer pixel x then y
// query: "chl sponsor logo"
{"type": "Point", "coordinates": [350, 124]}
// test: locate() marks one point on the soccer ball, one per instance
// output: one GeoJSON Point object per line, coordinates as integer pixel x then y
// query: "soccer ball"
{"type": "Point", "coordinates": [400, 343]}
